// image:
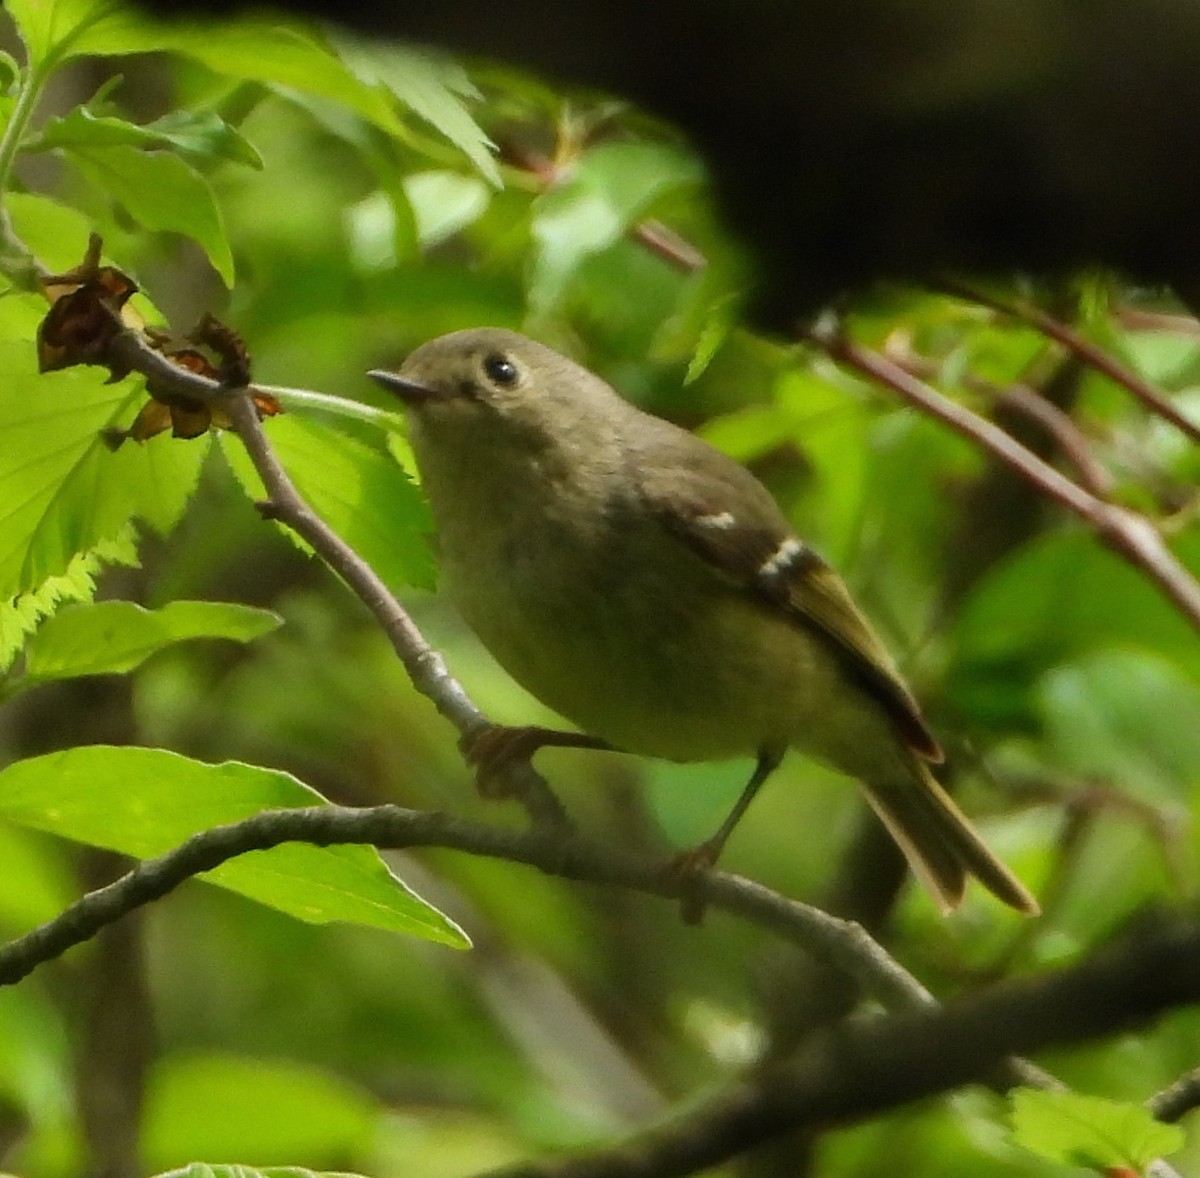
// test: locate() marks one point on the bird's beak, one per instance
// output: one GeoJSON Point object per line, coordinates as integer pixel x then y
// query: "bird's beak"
{"type": "Point", "coordinates": [411, 392]}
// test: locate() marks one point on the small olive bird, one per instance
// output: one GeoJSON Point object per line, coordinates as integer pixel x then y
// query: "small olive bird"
{"type": "Point", "coordinates": [649, 589]}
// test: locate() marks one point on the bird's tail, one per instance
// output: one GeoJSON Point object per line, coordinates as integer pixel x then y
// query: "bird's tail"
{"type": "Point", "coordinates": [942, 847]}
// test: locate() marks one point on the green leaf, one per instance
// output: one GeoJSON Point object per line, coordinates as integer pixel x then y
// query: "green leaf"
{"type": "Point", "coordinates": [62, 490]}
{"type": "Point", "coordinates": [49, 27]}
{"type": "Point", "coordinates": [1104, 718]}
{"type": "Point", "coordinates": [57, 236]}
{"type": "Point", "coordinates": [430, 85]}
{"type": "Point", "coordinates": [610, 189]}
{"type": "Point", "coordinates": [203, 135]}
{"type": "Point", "coordinates": [250, 50]}
{"type": "Point", "coordinates": [1056, 598]}
{"type": "Point", "coordinates": [1090, 1131]}
{"type": "Point", "coordinates": [444, 202]}
{"type": "Point", "coordinates": [360, 492]}
{"type": "Point", "coordinates": [20, 615]}
{"type": "Point", "coordinates": [216, 1105]}
{"type": "Point", "coordinates": [718, 324]}
{"type": "Point", "coordinates": [143, 802]}
{"type": "Point", "coordinates": [113, 637]}
{"type": "Point", "coordinates": [161, 192]}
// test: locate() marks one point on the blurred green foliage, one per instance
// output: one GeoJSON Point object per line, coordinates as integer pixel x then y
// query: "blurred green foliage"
{"type": "Point", "coordinates": [339, 203]}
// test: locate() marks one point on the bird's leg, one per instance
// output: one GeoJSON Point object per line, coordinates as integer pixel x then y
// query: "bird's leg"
{"type": "Point", "coordinates": [494, 746]}
{"type": "Point", "coordinates": [688, 864]}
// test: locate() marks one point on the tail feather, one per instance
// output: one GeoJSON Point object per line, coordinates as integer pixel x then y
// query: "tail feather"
{"type": "Point", "coordinates": [942, 847]}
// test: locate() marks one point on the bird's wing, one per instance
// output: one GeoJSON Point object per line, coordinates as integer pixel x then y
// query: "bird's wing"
{"type": "Point", "coordinates": [759, 552]}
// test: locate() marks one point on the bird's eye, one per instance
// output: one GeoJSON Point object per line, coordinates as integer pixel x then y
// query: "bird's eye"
{"type": "Point", "coordinates": [500, 370]}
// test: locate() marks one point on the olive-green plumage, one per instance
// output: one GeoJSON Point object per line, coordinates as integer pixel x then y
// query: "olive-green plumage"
{"type": "Point", "coordinates": [649, 589]}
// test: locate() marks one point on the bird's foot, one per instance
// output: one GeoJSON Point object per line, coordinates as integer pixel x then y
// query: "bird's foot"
{"type": "Point", "coordinates": [686, 871]}
{"type": "Point", "coordinates": [494, 747]}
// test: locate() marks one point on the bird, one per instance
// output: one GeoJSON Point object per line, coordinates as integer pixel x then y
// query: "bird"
{"type": "Point", "coordinates": [646, 587]}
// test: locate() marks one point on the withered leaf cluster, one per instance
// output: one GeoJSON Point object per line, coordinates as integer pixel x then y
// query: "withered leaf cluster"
{"type": "Point", "coordinates": [89, 309]}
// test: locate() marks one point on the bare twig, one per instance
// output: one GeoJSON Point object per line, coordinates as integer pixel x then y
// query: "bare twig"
{"type": "Point", "coordinates": [1027, 401]}
{"type": "Point", "coordinates": [1135, 319]}
{"type": "Point", "coordinates": [1130, 535]}
{"type": "Point", "coordinates": [665, 243]}
{"type": "Point", "coordinates": [1092, 355]}
{"type": "Point", "coordinates": [840, 942]}
{"type": "Point", "coordinates": [1176, 1101]}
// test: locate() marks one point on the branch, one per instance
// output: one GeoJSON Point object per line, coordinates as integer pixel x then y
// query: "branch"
{"type": "Point", "coordinates": [1176, 1101]}
{"type": "Point", "coordinates": [840, 1075]}
{"type": "Point", "coordinates": [841, 942]}
{"type": "Point", "coordinates": [1030, 403]}
{"type": "Point", "coordinates": [1130, 535]}
{"type": "Point", "coordinates": [1088, 352]}
{"type": "Point", "coordinates": [864, 1068]}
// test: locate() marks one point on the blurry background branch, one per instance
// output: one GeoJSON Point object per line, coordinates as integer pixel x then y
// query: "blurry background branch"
{"type": "Point", "coordinates": [1128, 533]}
{"type": "Point", "coordinates": [857, 1069]}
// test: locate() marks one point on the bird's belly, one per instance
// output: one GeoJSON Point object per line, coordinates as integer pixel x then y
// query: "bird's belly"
{"type": "Point", "coordinates": [625, 657]}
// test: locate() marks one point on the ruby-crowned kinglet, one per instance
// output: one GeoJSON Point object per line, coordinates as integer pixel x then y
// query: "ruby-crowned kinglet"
{"type": "Point", "coordinates": [648, 588]}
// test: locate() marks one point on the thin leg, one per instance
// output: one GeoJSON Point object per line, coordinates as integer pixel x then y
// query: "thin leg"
{"type": "Point", "coordinates": [497, 745]}
{"type": "Point", "coordinates": [689, 864]}
{"type": "Point", "coordinates": [768, 762]}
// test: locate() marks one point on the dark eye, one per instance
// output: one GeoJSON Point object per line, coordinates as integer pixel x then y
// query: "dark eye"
{"type": "Point", "coordinates": [500, 370]}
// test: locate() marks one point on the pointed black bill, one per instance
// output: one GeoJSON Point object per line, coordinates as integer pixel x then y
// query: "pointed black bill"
{"type": "Point", "coordinates": [411, 392]}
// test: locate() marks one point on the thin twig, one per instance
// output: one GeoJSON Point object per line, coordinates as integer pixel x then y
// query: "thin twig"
{"type": "Point", "coordinates": [1092, 355]}
{"type": "Point", "coordinates": [1030, 403]}
{"type": "Point", "coordinates": [1130, 535]}
{"type": "Point", "coordinates": [1136, 319]}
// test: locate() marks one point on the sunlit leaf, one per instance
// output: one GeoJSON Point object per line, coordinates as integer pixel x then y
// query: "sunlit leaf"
{"type": "Point", "coordinates": [361, 493]}
{"type": "Point", "coordinates": [1077, 1130]}
{"type": "Point", "coordinates": [444, 202]}
{"type": "Point", "coordinates": [270, 51]}
{"type": "Point", "coordinates": [608, 189]}
{"type": "Point", "coordinates": [20, 616]}
{"type": "Point", "coordinates": [202, 135]}
{"type": "Point", "coordinates": [112, 637]}
{"type": "Point", "coordinates": [233, 1170]}
{"type": "Point", "coordinates": [143, 802]}
{"type": "Point", "coordinates": [162, 192]}
{"type": "Point", "coordinates": [50, 27]}
{"type": "Point", "coordinates": [56, 235]}
{"type": "Point", "coordinates": [62, 490]}
{"type": "Point", "coordinates": [432, 86]}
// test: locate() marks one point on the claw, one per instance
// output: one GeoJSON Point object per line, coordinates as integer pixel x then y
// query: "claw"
{"type": "Point", "coordinates": [493, 747]}
{"type": "Point", "coordinates": [685, 870]}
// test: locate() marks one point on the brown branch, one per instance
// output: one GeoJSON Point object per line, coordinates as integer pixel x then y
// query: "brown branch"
{"type": "Point", "coordinates": [1088, 352]}
{"type": "Point", "coordinates": [864, 1068]}
{"type": "Point", "coordinates": [1030, 403]}
{"type": "Point", "coordinates": [665, 243]}
{"type": "Point", "coordinates": [1129, 534]}
{"type": "Point", "coordinates": [1176, 1101]}
{"type": "Point", "coordinates": [843, 943]}
{"type": "Point", "coordinates": [1136, 319]}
